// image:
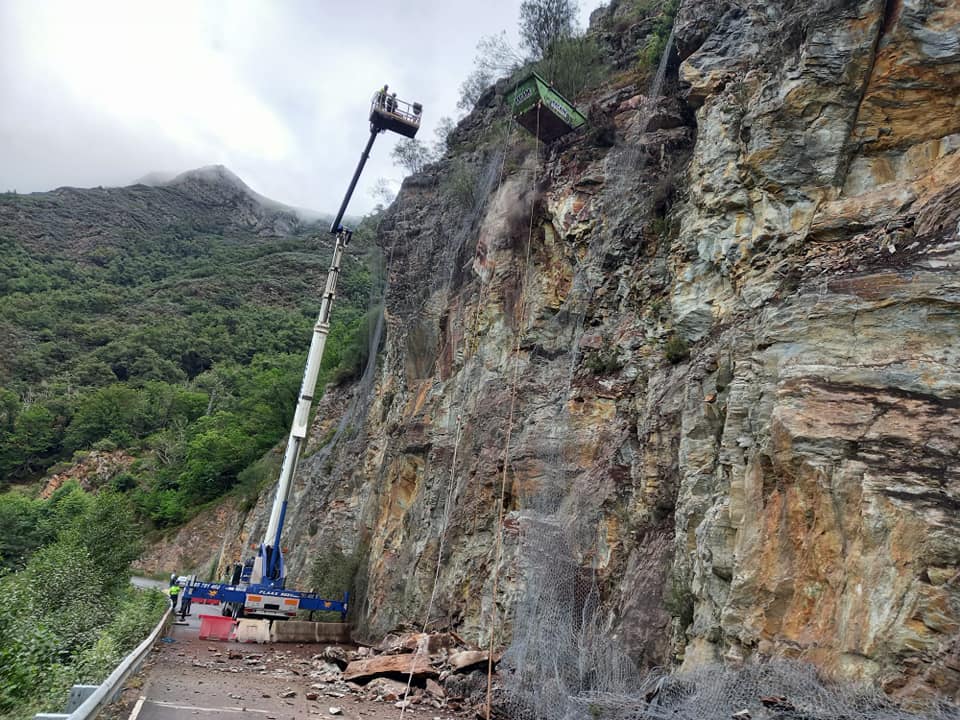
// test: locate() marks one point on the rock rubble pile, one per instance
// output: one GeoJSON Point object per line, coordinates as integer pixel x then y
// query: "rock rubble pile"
{"type": "Point", "coordinates": [421, 672]}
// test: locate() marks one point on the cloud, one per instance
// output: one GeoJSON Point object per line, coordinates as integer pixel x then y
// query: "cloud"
{"type": "Point", "coordinates": [104, 91]}
{"type": "Point", "coordinates": [151, 68]}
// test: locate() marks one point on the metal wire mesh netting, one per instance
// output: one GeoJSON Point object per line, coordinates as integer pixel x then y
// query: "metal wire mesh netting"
{"type": "Point", "coordinates": [562, 638]}
{"type": "Point", "coordinates": [564, 642]}
{"type": "Point", "coordinates": [565, 659]}
{"type": "Point", "coordinates": [566, 662]}
{"type": "Point", "coordinates": [775, 689]}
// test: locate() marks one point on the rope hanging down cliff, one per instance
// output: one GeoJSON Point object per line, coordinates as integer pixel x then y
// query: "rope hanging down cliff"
{"type": "Point", "coordinates": [521, 324]}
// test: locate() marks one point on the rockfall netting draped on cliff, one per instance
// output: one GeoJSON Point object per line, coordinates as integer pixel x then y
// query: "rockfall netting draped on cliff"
{"type": "Point", "coordinates": [771, 690]}
{"type": "Point", "coordinates": [564, 646]}
{"type": "Point", "coordinates": [565, 658]}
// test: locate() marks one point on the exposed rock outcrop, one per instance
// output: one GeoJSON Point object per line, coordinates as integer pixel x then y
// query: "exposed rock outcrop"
{"type": "Point", "coordinates": [91, 471]}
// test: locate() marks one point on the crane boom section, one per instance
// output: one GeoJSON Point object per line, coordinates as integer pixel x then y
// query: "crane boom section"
{"type": "Point", "coordinates": [258, 587]}
{"type": "Point", "coordinates": [298, 432]}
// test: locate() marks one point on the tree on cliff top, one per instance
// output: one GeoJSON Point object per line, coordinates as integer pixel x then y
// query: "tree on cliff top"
{"type": "Point", "coordinates": [543, 22]}
{"type": "Point", "coordinates": [545, 26]}
{"type": "Point", "coordinates": [412, 155]}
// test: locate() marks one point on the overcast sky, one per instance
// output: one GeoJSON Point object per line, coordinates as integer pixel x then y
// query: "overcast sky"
{"type": "Point", "coordinates": [102, 92]}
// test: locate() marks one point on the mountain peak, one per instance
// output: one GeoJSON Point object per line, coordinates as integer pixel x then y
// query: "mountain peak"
{"type": "Point", "coordinates": [216, 183]}
{"type": "Point", "coordinates": [206, 177]}
{"type": "Point", "coordinates": [216, 175]}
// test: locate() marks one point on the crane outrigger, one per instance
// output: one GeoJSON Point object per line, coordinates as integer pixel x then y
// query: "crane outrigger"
{"type": "Point", "coordinates": [258, 587]}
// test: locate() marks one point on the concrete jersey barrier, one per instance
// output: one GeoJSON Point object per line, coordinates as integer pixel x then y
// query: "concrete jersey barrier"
{"type": "Point", "coordinates": [310, 632]}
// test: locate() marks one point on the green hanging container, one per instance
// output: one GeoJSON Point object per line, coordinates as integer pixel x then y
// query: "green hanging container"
{"type": "Point", "coordinates": [538, 106]}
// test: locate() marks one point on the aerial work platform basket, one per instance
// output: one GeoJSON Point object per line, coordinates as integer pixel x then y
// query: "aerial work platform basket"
{"type": "Point", "coordinates": [389, 113]}
{"type": "Point", "coordinates": [538, 106]}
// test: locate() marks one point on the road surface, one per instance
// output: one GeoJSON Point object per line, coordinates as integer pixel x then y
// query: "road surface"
{"type": "Point", "coordinates": [144, 583]}
{"type": "Point", "coordinates": [186, 677]}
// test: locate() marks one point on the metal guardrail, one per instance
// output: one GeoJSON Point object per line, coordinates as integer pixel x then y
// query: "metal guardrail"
{"type": "Point", "coordinates": [108, 689]}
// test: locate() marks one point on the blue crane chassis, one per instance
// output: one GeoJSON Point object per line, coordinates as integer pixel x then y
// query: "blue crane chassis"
{"type": "Point", "coordinates": [283, 603]}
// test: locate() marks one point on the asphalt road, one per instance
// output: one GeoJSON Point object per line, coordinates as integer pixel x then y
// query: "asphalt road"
{"type": "Point", "coordinates": [142, 582]}
{"type": "Point", "coordinates": [188, 677]}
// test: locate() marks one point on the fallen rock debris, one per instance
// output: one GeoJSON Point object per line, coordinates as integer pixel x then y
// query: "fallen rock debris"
{"type": "Point", "coordinates": [444, 673]}
{"type": "Point", "coordinates": [417, 665]}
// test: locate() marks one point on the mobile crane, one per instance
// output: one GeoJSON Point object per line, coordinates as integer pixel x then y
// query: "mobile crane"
{"type": "Point", "coordinates": [258, 587]}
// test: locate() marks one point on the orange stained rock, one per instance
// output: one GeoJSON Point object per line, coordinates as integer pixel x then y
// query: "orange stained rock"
{"type": "Point", "coordinates": [904, 85]}
{"type": "Point", "coordinates": [385, 665]}
{"type": "Point", "coordinates": [934, 609]}
{"type": "Point", "coordinates": [862, 209]}
{"type": "Point", "coordinates": [418, 397]}
{"type": "Point", "coordinates": [403, 484]}
{"type": "Point", "coordinates": [820, 527]}
{"type": "Point", "coordinates": [587, 410]}
{"type": "Point", "coordinates": [942, 175]}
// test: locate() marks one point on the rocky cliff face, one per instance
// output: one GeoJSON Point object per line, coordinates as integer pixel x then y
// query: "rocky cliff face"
{"type": "Point", "coordinates": [711, 365]}
{"type": "Point", "coordinates": [816, 256]}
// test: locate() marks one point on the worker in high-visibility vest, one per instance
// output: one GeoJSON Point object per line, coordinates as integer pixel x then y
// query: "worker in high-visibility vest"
{"type": "Point", "coordinates": [174, 594]}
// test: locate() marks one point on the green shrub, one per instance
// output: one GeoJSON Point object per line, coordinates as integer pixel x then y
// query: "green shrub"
{"type": "Point", "coordinates": [137, 614]}
{"type": "Point", "coordinates": [21, 531]}
{"type": "Point", "coordinates": [572, 65]}
{"type": "Point", "coordinates": [123, 482]}
{"type": "Point", "coordinates": [113, 413]}
{"type": "Point", "coordinates": [67, 595]}
{"type": "Point", "coordinates": [254, 478]}
{"type": "Point", "coordinates": [165, 506]}
{"type": "Point", "coordinates": [459, 185]}
{"type": "Point", "coordinates": [676, 349]}
{"type": "Point", "coordinates": [680, 602]}
{"type": "Point", "coordinates": [332, 573]}
{"type": "Point", "coordinates": [355, 348]}
{"type": "Point", "coordinates": [603, 362]}
{"type": "Point", "coordinates": [648, 57]}
{"type": "Point", "coordinates": [659, 226]}
{"type": "Point", "coordinates": [28, 438]}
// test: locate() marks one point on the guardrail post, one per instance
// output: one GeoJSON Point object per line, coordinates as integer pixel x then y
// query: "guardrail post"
{"type": "Point", "coordinates": [79, 693]}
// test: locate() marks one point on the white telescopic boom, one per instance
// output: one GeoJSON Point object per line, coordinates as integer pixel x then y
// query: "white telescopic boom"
{"type": "Point", "coordinates": [301, 418]}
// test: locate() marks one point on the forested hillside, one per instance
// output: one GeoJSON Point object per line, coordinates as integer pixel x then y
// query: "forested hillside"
{"type": "Point", "coordinates": [166, 328]}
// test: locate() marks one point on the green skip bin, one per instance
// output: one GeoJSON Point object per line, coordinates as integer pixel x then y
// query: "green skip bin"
{"type": "Point", "coordinates": [538, 106]}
